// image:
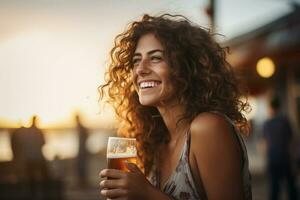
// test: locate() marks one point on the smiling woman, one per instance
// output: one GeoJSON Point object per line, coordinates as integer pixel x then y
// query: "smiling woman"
{"type": "Point", "coordinates": [150, 71]}
{"type": "Point", "coordinates": [173, 91]}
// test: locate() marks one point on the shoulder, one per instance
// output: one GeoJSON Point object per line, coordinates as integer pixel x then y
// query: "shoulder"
{"type": "Point", "coordinates": [211, 125]}
{"type": "Point", "coordinates": [212, 132]}
{"type": "Point", "coordinates": [217, 154]}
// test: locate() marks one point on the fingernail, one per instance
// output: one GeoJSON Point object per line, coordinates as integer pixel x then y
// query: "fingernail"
{"type": "Point", "coordinates": [102, 173]}
{"type": "Point", "coordinates": [101, 184]}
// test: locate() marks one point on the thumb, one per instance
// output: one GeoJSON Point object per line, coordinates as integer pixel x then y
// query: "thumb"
{"type": "Point", "coordinates": [133, 167]}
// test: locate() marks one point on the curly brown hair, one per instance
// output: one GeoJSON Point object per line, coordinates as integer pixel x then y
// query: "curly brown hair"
{"type": "Point", "coordinates": [203, 78]}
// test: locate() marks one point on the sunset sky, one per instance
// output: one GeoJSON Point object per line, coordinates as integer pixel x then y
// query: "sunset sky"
{"type": "Point", "coordinates": [53, 53]}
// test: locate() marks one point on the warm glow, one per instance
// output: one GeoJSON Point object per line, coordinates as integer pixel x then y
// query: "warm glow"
{"type": "Point", "coordinates": [5, 147]}
{"type": "Point", "coordinates": [48, 75]}
{"type": "Point", "coordinates": [253, 104]}
{"type": "Point", "coordinates": [265, 67]}
{"type": "Point", "coordinates": [62, 145]}
{"type": "Point", "coordinates": [53, 55]}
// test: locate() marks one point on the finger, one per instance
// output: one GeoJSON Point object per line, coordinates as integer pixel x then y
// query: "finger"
{"type": "Point", "coordinates": [113, 193]}
{"type": "Point", "coordinates": [109, 184]}
{"type": "Point", "coordinates": [111, 173]}
{"type": "Point", "coordinates": [133, 167]}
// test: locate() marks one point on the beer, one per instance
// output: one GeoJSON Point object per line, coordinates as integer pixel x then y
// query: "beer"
{"type": "Point", "coordinates": [118, 162]}
{"type": "Point", "coordinates": [119, 151]}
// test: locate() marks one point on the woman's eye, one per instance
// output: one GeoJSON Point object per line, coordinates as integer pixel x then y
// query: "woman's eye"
{"type": "Point", "coordinates": [156, 58]}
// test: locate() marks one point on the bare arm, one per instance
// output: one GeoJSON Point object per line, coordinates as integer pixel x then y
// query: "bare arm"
{"type": "Point", "coordinates": [217, 153]}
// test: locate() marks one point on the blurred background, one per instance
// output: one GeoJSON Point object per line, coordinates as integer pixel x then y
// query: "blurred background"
{"type": "Point", "coordinates": [53, 55]}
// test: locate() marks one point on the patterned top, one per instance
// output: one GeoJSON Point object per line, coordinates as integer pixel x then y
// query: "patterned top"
{"type": "Point", "coordinates": [181, 185]}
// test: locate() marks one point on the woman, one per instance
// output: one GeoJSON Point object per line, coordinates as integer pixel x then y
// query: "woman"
{"type": "Point", "coordinates": [173, 90]}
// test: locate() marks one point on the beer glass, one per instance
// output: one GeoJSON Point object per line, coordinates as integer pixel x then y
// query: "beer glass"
{"type": "Point", "coordinates": [119, 151]}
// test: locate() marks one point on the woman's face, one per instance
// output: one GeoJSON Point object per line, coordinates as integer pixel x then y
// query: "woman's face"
{"type": "Point", "coordinates": [151, 73]}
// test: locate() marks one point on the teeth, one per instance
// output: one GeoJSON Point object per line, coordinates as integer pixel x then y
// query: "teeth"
{"type": "Point", "coordinates": [149, 84]}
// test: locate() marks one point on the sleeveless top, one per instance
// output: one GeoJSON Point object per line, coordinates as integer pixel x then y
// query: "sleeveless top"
{"type": "Point", "coordinates": [180, 185]}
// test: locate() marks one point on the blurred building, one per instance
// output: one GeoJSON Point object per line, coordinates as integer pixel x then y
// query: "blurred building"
{"type": "Point", "coordinates": [277, 44]}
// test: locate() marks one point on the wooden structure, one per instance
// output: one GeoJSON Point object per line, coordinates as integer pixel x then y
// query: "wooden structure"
{"type": "Point", "coordinates": [280, 41]}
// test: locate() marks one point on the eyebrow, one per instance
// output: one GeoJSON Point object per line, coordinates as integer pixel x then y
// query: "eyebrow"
{"type": "Point", "coordinates": [150, 52]}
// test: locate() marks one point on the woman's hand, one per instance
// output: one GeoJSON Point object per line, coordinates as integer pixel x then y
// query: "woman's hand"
{"type": "Point", "coordinates": [122, 185]}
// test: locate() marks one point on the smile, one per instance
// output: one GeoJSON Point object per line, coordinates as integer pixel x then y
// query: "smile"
{"type": "Point", "coordinates": [149, 84]}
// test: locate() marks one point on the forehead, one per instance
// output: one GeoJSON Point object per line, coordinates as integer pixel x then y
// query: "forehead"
{"type": "Point", "coordinates": [148, 42]}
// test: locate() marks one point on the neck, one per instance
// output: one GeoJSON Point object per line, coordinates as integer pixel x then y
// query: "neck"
{"type": "Point", "coordinates": [171, 115]}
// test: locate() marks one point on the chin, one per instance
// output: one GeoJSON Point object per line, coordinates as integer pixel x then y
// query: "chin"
{"type": "Point", "coordinates": [148, 102]}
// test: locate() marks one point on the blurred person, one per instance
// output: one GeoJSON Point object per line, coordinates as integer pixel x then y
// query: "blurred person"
{"type": "Point", "coordinates": [33, 143]}
{"type": "Point", "coordinates": [27, 146]}
{"type": "Point", "coordinates": [17, 151]}
{"type": "Point", "coordinates": [173, 91]}
{"type": "Point", "coordinates": [278, 137]}
{"type": "Point", "coordinates": [30, 163]}
{"type": "Point", "coordinates": [82, 156]}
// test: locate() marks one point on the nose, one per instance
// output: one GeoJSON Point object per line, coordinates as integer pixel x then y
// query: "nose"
{"type": "Point", "coordinates": [143, 68]}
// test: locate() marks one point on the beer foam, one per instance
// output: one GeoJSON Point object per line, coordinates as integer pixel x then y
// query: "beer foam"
{"type": "Point", "coordinates": [121, 155]}
{"type": "Point", "coordinates": [121, 138]}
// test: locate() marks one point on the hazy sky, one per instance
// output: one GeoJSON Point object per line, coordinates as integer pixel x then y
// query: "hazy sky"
{"type": "Point", "coordinates": [53, 52]}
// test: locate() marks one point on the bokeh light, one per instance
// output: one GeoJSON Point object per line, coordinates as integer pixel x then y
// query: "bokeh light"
{"type": "Point", "coordinates": [265, 67]}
